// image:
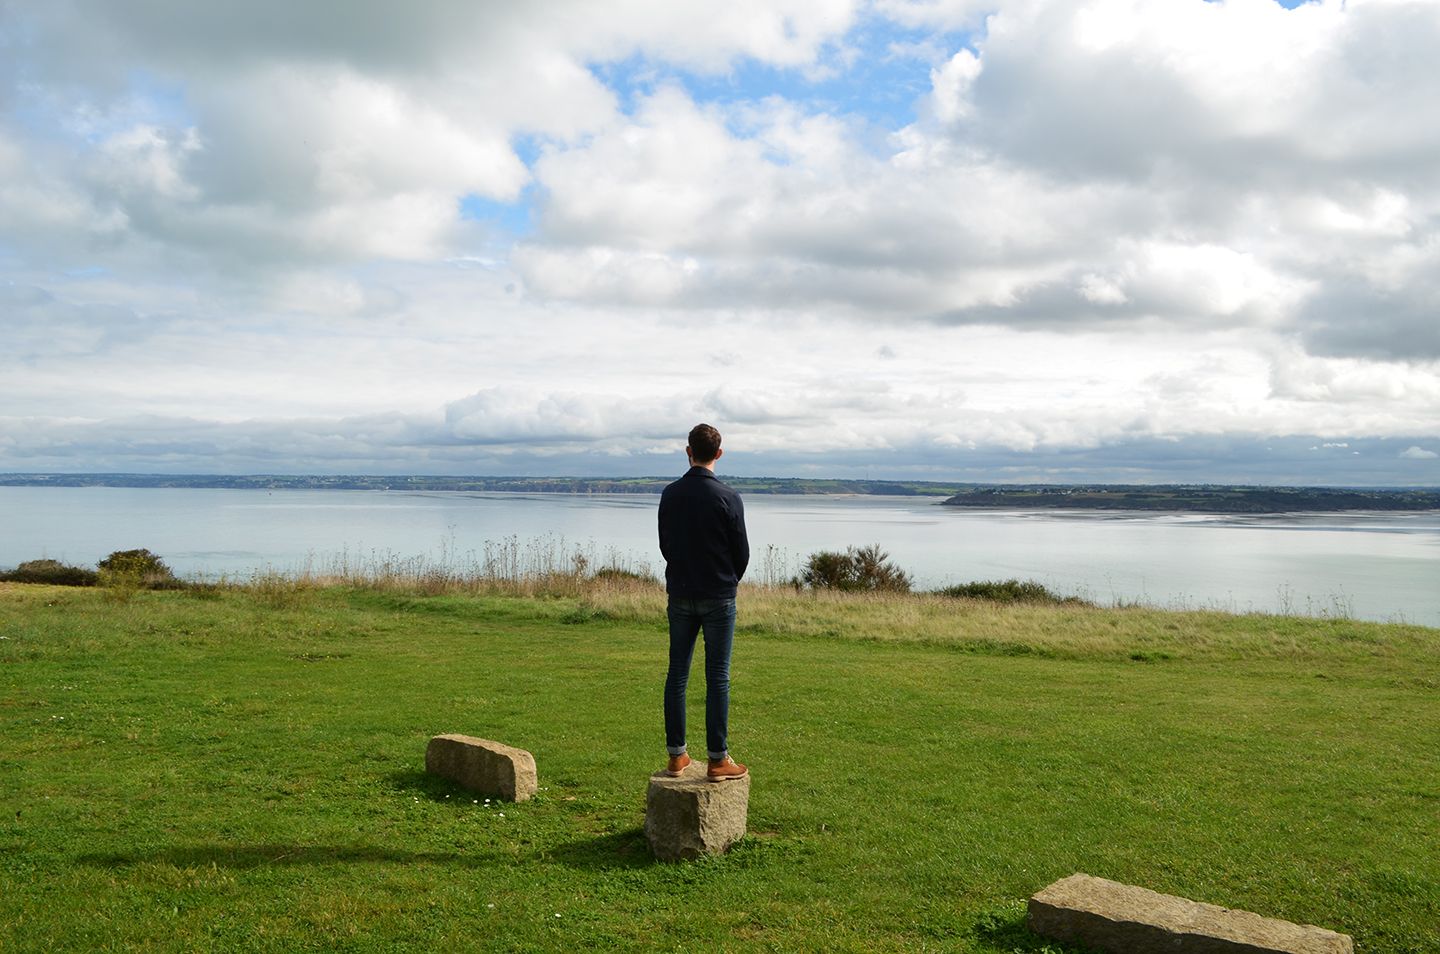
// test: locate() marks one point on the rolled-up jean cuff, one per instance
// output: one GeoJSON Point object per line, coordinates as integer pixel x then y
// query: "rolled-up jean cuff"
{"type": "Point", "coordinates": [718, 758]}
{"type": "Point", "coordinates": [674, 750]}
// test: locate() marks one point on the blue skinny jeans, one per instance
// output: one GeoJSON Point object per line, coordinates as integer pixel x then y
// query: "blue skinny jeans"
{"type": "Point", "coordinates": [687, 619]}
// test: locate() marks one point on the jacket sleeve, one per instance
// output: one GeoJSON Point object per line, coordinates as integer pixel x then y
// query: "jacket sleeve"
{"type": "Point", "coordinates": [739, 542]}
{"type": "Point", "coordinates": [665, 548]}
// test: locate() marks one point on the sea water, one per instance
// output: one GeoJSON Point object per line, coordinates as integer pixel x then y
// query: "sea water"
{"type": "Point", "coordinates": [1380, 566]}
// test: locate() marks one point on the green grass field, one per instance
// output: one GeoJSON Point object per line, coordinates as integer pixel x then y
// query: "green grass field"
{"type": "Point", "coordinates": [244, 769]}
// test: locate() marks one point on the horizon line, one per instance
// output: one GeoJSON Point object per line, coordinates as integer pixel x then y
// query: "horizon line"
{"type": "Point", "coordinates": [658, 477]}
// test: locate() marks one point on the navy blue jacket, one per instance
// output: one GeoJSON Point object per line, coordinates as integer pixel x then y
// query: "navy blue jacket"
{"type": "Point", "coordinates": [702, 537]}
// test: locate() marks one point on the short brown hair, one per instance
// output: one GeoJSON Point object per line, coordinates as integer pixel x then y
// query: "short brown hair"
{"type": "Point", "coordinates": [704, 443]}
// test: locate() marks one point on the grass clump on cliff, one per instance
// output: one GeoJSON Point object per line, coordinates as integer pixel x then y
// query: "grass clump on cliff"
{"type": "Point", "coordinates": [52, 572]}
{"type": "Point", "coordinates": [1009, 591]}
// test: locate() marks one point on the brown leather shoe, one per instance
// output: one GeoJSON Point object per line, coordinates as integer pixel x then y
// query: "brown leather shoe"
{"type": "Point", "coordinates": [725, 769]}
{"type": "Point", "coordinates": [677, 765]}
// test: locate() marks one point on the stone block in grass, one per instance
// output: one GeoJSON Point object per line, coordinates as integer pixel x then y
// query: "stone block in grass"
{"type": "Point", "coordinates": [1121, 918]}
{"type": "Point", "coordinates": [690, 816]}
{"type": "Point", "coordinates": [480, 765]}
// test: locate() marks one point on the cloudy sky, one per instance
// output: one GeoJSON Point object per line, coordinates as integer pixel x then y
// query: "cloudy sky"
{"type": "Point", "coordinates": [1121, 240]}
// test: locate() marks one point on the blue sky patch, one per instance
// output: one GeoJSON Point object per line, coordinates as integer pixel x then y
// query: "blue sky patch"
{"type": "Point", "coordinates": [513, 217]}
{"type": "Point", "coordinates": [878, 76]}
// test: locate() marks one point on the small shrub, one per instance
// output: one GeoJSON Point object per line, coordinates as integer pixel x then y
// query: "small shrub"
{"type": "Point", "coordinates": [857, 569]}
{"type": "Point", "coordinates": [874, 570]}
{"type": "Point", "coordinates": [1009, 591]}
{"type": "Point", "coordinates": [828, 570]}
{"type": "Point", "coordinates": [136, 569]}
{"type": "Point", "coordinates": [50, 571]}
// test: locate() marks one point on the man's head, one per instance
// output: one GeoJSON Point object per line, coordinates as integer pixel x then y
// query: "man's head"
{"type": "Point", "coordinates": [703, 447]}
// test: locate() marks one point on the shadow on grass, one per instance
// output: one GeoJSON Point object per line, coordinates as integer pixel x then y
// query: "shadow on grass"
{"type": "Point", "coordinates": [245, 857]}
{"type": "Point", "coordinates": [1003, 929]}
{"type": "Point", "coordinates": [618, 850]}
{"type": "Point", "coordinates": [425, 785]}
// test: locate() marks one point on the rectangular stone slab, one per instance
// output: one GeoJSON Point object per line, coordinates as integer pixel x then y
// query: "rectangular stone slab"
{"type": "Point", "coordinates": [690, 816]}
{"type": "Point", "coordinates": [1124, 919]}
{"type": "Point", "coordinates": [491, 768]}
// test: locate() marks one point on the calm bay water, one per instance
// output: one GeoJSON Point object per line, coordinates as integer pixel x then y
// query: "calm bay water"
{"type": "Point", "coordinates": [1372, 566]}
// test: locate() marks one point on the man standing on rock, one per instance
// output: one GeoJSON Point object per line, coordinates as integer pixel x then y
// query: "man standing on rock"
{"type": "Point", "coordinates": [702, 537]}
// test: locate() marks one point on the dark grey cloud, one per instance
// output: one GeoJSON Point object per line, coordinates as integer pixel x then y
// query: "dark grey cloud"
{"type": "Point", "coordinates": [1354, 317]}
{"type": "Point", "coordinates": [38, 324]}
{"type": "Point", "coordinates": [1296, 460]}
{"type": "Point", "coordinates": [92, 35]}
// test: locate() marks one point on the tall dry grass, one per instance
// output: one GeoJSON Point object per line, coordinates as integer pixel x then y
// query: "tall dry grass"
{"type": "Point", "coordinates": [544, 566]}
{"type": "Point", "coordinates": [608, 586]}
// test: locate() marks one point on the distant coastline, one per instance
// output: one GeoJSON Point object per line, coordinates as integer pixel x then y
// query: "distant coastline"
{"type": "Point", "coordinates": [523, 485]}
{"type": "Point", "coordinates": [1172, 498]}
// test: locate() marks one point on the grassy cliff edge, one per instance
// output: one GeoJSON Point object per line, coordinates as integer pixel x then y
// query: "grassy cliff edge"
{"type": "Point", "coordinates": [242, 766]}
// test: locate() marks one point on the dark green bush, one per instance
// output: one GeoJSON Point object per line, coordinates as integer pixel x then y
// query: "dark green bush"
{"type": "Point", "coordinates": [857, 569]}
{"type": "Point", "coordinates": [828, 570]}
{"type": "Point", "coordinates": [50, 571]}
{"type": "Point", "coordinates": [1009, 591]}
{"type": "Point", "coordinates": [136, 569]}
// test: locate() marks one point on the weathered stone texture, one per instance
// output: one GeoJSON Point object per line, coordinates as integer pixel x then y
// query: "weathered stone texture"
{"type": "Point", "coordinates": [690, 816]}
{"type": "Point", "coordinates": [483, 766]}
{"type": "Point", "coordinates": [1110, 916]}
